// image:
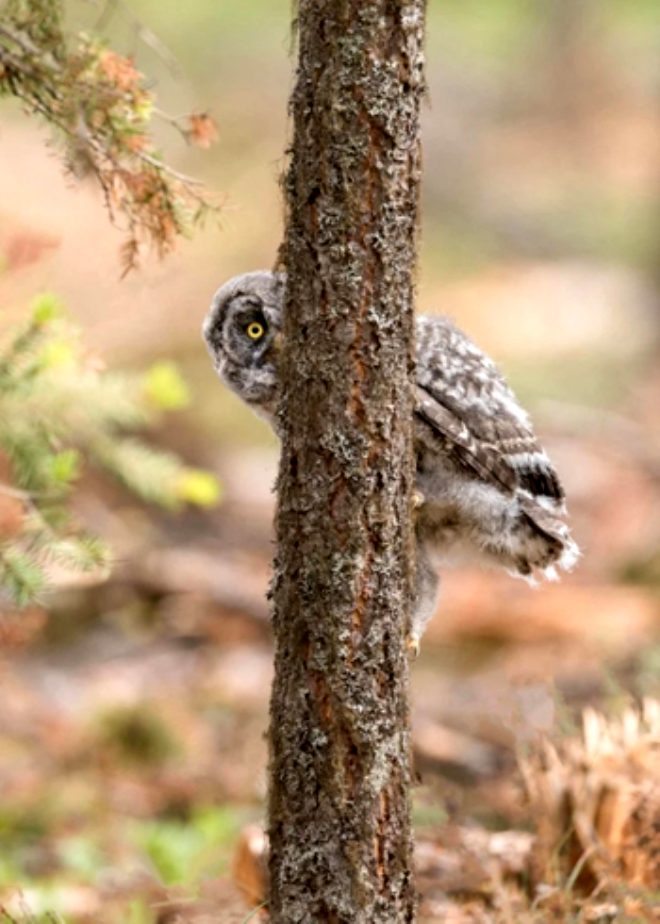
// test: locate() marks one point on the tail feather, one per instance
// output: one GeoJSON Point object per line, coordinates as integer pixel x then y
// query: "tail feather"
{"type": "Point", "coordinates": [562, 550]}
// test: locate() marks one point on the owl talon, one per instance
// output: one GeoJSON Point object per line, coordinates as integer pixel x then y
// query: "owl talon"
{"type": "Point", "coordinates": [418, 500]}
{"type": "Point", "coordinates": [412, 646]}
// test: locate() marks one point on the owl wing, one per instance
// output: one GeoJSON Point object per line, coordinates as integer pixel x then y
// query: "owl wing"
{"type": "Point", "coordinates": [463, 399]}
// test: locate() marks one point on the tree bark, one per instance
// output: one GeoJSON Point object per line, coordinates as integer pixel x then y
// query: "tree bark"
{"type": "Point", "coordinates": [339, 812]}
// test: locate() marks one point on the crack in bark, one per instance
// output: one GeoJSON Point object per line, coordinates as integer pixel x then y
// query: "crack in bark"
{"type": "Point", "coordinates": [340, 771]}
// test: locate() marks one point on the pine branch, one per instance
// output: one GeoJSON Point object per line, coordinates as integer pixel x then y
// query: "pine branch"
{"type": "Point", "coordinates": [46, 433]}
{"type": "Point", "coordinates": [100, 109]}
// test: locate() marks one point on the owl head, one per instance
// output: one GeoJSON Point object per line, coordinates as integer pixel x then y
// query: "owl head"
{"type": "Point", "coordinates": [241, 332]}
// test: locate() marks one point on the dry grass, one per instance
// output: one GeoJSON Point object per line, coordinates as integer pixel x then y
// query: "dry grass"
{"type": "Point", "coordinates": [595, 803]}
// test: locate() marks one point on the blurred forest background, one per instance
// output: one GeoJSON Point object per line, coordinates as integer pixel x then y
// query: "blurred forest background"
{"type": "Point", "coordinates": [132, 758]}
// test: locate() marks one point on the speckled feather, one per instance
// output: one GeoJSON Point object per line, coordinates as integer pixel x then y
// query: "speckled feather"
{"type": "Point", "coordinates": [486, 485]}
{"type": "Point", "coordinates": [462, 395]}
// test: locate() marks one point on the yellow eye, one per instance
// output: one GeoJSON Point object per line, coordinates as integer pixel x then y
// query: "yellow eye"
{"type": "Point", "coordinates": [255, 330]}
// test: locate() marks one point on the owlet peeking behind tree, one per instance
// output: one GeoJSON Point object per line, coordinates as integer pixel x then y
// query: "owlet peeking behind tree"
{"type": "Point", "coordinates": [484, 484]}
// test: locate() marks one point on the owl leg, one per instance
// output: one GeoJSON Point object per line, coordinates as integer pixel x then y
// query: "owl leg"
{"type": "Point", "coordinates": [427, 585]}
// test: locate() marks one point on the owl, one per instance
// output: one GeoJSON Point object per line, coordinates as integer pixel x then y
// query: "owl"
{"type": "Point", "coordinates": [485, 488]}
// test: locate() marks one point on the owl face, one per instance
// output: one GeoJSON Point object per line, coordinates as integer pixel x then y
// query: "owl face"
{"type": "Point", "coordinates": [242, 331]}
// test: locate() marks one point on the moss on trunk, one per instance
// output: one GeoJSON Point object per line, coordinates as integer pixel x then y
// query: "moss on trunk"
{"type": "Point", "coordinates": [339, 822]}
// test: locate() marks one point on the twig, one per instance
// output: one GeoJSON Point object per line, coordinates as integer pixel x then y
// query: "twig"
{"type": "Point", "coordinates": [149, 38]}
{"type": "Point", "coordinates": [14, 492]}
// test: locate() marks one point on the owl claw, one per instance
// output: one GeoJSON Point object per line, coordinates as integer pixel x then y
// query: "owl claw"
{"type": "Point", "coordinates": [412, 645]}
{"type": "Point", "coordinates": [418, 500]}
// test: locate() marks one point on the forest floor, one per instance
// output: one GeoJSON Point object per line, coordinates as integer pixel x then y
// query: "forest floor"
{"type": "Point", "coordinates": [132, 751]}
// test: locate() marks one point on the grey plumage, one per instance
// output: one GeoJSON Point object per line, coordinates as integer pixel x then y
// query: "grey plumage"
{"type": "Point", "coordinates": [486, 485]}
{"type": "Point", "coordinates": [246, 365]}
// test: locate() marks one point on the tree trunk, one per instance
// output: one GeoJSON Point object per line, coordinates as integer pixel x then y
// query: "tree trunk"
{"type": "Point", "coordinates": [339, 814]}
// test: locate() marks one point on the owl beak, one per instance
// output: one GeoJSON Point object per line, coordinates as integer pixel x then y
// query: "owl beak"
{"type": "Point", "coordinates": [276, 343]}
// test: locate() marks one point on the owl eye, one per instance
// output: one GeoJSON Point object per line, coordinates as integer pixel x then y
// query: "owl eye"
{"type": "Point", "coordinates": [255, 330]}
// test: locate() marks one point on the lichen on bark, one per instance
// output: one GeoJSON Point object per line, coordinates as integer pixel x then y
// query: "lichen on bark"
{"type": "Point", "coordinates": [339, 812]}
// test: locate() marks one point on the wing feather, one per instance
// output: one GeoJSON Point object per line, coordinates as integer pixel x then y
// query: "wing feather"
{"type": "Point", "coordinates": [464, 399]}
{"type": "Point", "coordinates": [460, 442]}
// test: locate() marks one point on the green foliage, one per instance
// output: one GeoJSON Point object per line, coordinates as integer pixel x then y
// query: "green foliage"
{"type": "Point", "coordinates": [21, 576]}
{"type": "Point", "coordinates": [198, 487]}
{"type": "Point", "coordinates": [136, 735]}
{"type": "Point", "coordinates": [58, 407]}
{"type": "Point", "coordinates": [139, 912]}
{"type": "Point", "coordinates": [164, 386]}
{"type": "Point", "coordinates": [643, 570]}
{"type": "Point", "coordinates": [184, 852]}
{"type": "Point", "coordinates": [23, 825]}
{"type": "Point", "coordinates": [81, 855]}
{"type": "Point", "coordinates": [98, 105]}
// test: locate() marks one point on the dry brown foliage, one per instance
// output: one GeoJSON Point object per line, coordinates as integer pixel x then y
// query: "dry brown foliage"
{"type": "Point", "coordinates": [596, 805]}
{"type": "Point", "coordinates": [98, 105]}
